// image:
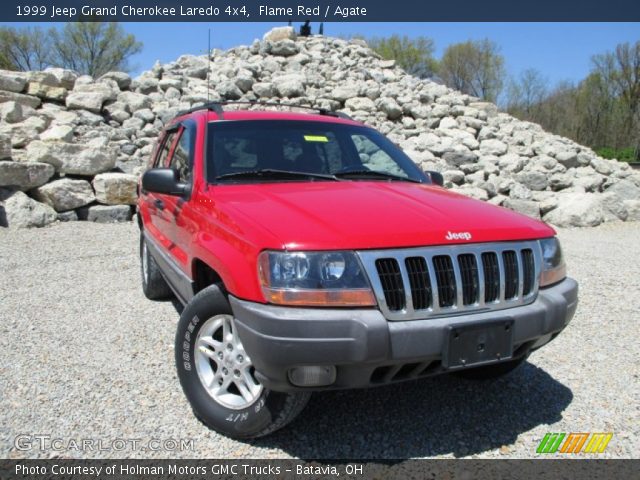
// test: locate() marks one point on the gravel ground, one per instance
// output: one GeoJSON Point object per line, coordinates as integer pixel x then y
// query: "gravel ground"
{"type": "Point", "coordinates": [83, 355]}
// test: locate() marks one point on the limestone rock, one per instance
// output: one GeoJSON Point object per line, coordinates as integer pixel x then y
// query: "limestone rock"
{"type": "Point", "coordinates": [105, 213]}
{"type": "Point", "coordinates": [280, 33]}
{"type": "Point", "coordinates": [24, 175]}
{"type": "Point", "coordinates": [577, 210]}
{"type": "Point", "coordinates": [20, 211]}
{"type": "Point", "coordinates": [116, 188]}
{"type": "Point", "coordinates": [65, 194]}
{"type": "Point", "coordinates": [71, 158]}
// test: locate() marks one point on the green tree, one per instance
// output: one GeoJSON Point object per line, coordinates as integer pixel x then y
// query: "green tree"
{"type": "Point", "coordinates": [620, 72]}
{"type": "Point", "coordinates": [94, 48]}
{"type": "Point", "coordinates": [474, 67]}
{"type": "Point", "coordinates": [28, 48]}
{"type": "Point", "coordinates": [414, 55]}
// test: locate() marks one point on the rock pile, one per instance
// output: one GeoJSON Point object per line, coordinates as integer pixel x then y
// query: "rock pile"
{"type": "Point", "coordinates": [72, 147]}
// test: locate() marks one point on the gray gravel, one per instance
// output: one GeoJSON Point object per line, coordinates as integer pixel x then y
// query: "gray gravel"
{"type": "Point", "coordinates": [83, 355]}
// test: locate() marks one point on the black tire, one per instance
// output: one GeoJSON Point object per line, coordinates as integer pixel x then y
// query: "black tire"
{"type": "Point", "coordinates": [268, 413]}
{"type": "Point", "coordinates": [154, 286]}
{"type": "Point", "coordinates": [491, 372]}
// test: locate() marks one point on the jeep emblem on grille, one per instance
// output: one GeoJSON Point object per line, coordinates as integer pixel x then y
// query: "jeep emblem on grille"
{"type": "Point", "coordinates": [458, 236]}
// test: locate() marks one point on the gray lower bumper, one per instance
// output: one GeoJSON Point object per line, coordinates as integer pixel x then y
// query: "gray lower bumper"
{"type": "Point", "coordinates": [368, 350]}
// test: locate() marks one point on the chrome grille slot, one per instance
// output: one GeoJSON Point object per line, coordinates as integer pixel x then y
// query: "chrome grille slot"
{"type": "Point", "coordinates": [391, 279]}
{"type": "Point", "coordinates": [491, 277]}
{"type": "Point", "coordinates": [446, 279]}
{"type": "Point", "coordinates": [418, 283]}
{"type": "Point", "coordinates": [510, 274]}
{"type": "Point", "coordinates": [421, 293]}
{"type": "Point", "coordinates": [528, 268]}
{"type": "Point", "coordinates": [469, 274]}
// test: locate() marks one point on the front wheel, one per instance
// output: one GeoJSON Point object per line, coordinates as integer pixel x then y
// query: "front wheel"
{"type": "Point", "coordinates": [217, 375]}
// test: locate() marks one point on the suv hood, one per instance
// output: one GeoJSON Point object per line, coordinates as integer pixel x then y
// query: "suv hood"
{"type": "Point", "coordinates": [370, 215]}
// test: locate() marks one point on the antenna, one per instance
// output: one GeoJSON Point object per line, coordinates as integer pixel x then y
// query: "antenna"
{"type": "Point", "coordinates": [209, 68]}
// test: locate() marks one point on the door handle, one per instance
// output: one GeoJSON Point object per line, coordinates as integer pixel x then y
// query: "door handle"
{"type": "Point", "coordinates": [159, 204]}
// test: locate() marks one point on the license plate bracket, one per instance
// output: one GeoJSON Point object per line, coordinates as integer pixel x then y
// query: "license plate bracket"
{"type": "Point", "coordinates": [474, 344]}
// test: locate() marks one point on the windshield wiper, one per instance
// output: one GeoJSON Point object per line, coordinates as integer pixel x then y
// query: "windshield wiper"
{"type": "Point", "coordinates": [274, 173]}
{"type": "Point", "coordinates": [374, 174]}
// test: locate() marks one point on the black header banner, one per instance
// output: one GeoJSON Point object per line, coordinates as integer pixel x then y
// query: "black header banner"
{"type": "Point", "coordinates": [320, 10]}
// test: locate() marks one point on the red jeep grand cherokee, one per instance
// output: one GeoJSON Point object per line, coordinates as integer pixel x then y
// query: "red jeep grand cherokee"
{"type": "Point", "coordinates": [311, 253]}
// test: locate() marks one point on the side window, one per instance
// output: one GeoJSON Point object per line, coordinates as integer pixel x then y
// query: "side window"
{"type": "Point", "coordinates": [374, 157]}
{"type": "Point", "coordinates": [181, 159]}
{"type": "Point", "coordinates": [161, 159]}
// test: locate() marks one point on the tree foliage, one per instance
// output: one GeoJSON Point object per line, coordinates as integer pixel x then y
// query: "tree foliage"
{"type": "Point", "coordinates": [94, 48]}
{"type": "Point", "coordinates": [602, 111]}
{"type": "Point", "coordinates": [474, 67]}
{"type": "Point", "coordinates": [414, 55]}
{"type": "Point", "coordinates": [28, 48]}
{"type": "Point", "coordinates": [87, 47]}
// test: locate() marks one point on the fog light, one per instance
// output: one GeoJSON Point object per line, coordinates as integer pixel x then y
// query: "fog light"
{"type": "Point", "coordinates": [313, 376]}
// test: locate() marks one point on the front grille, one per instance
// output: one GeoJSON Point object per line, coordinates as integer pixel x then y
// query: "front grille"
{"type": "Point", "coordinates": [424, 282]}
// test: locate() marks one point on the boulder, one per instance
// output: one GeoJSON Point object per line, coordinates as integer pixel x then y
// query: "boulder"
{"type": "Point", "coordinates": [360, 103]}
{"type": "Point", "coordinates": [91, 101]}
{"type": "Point", "coordinates": [493, 147]}
{"type": "Point", "coordinates": [65, 194]}
{"type": "Point", "coordinates": [280, 33]}
{"type": "Point", "coordinates": [24, 100]}
{"type": "Point", "coordinates": [390, 107]}
{"type": "Point", "coordinates": [12, 81]}
{"type": "Point", "coordinates": [284, 48]}
{"type": "Point", "coordinates": [289, 86]}
{"type": "Point", "coordinates": [229, 90]}
{"type": "Point", "coordinates": [5, 147]}
{"type": "Point", "coordinates": [122, 79]}
{"type": "Point", "coordinates": [105, 213]}
{"type": "Point", "coordinates": [133, 101]}
{"type": "Point", "coordinates": [613, 206]}
{"type": "Point", "coordinates": [71, 158]}
{"type": "Point", "coordinates": [263, 89]}
{"type": "Point", "coordinates": [11, 112]}
{"type": "Point", "coordinates": [90, 97]}
{"type": "Point", "coordinates": [577, 210]}
{"type": "Point", "coordinates": [68, 216]}
{"type": "Point", "coordinates": [526, 207]}
{"type": "Point", "coordinates": [24, 176]}
{"type": "Point", "coordinates": [66, 78]}
{"type": "Point", "coordinates": [20, 211]}
{"type": "Point", "coordinates": [116, 188]}
{"type": "Point", "coordinates": [625, 190]}
{"type": "Point", "coordinates": [344, 92]}
{"type": "Point", "coordinates": [46, 86]}
{"type": "Point", "coordinates": [633, 209]}
{"type": "Point", "coordinates": [59, 133]}
{"type": "Point", "coordinates": [533, 180]}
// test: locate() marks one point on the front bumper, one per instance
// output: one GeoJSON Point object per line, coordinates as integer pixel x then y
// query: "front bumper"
{"type": "Point", "coordinates": [368, 350]}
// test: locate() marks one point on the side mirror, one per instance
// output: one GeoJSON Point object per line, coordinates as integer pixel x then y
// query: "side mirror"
{"type": "Point", "coordinates": [163, 180]}
{"type": "Point", "coordinates": [436, 177]}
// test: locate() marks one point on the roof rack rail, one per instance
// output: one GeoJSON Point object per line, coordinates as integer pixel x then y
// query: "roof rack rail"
{"type": "Point", "coordinates": [217, 108]}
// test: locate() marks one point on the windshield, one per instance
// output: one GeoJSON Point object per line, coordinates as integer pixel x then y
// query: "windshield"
{"type": "Point", "coordinates": [279, 150]}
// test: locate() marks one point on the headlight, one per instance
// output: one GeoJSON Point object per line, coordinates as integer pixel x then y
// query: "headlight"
{"type": "Point", "coordinates": [553, 266]}
{"type": "Point", "coordinates": [314, 279]}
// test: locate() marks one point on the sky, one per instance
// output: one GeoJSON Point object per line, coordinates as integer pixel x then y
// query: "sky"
{"type": "Point", "coordinates": [560, 51]}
